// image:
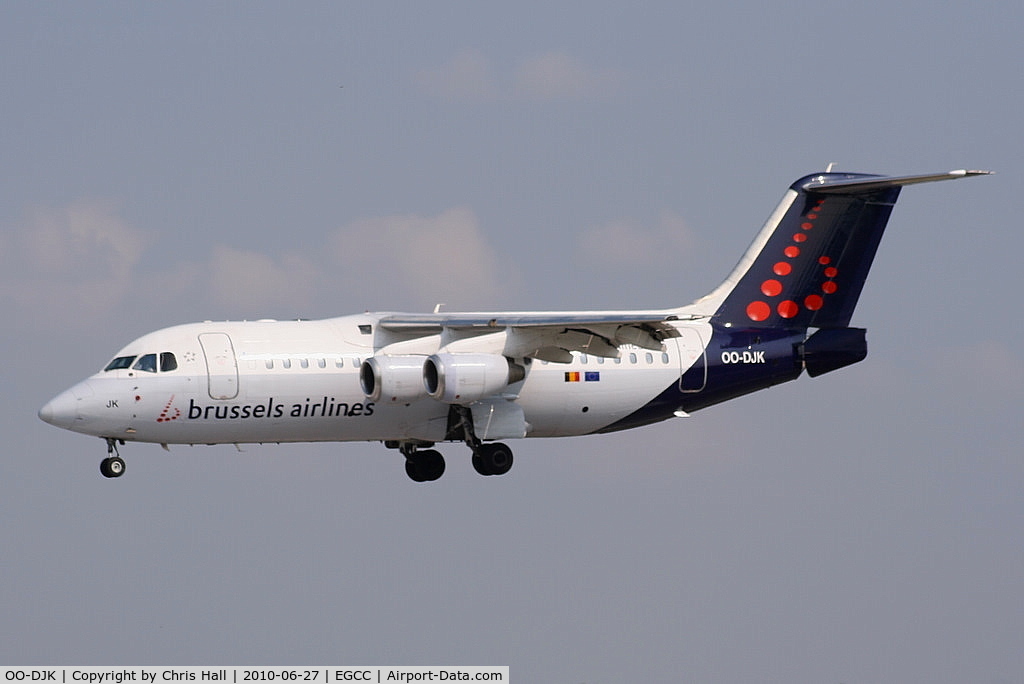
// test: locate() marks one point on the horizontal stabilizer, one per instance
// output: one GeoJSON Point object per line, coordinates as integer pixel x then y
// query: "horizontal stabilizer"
{"type": "Point", "coordinates": [837, 186]}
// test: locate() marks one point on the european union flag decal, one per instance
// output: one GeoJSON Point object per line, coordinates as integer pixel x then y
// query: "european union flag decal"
{"type": "Point", "coordinates": [592, 376]}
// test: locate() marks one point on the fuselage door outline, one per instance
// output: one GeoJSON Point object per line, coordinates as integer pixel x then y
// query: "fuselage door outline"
{"type": "Point", "coordinates": [221, 366]}
{"type": "Point", "coordinates": [693, 360]}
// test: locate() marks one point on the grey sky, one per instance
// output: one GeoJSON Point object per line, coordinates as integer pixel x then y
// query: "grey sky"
{"type": "Point", "coordinates": [166, 163]}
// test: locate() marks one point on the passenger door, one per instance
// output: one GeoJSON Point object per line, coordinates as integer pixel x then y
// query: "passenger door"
{"type": "Point", "coordinates": [221, 366]}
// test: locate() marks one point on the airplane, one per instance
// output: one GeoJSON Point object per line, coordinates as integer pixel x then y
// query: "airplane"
{"type": "Point", "coordinates": [412, 380]}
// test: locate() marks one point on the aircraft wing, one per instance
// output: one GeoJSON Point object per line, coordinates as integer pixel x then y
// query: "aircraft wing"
{"type": "Point", "coordinates": [546, 336]}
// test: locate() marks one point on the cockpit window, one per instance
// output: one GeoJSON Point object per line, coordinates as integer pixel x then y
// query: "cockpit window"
{"type": "Point", "coordinates": [146, 362]}
{"type": "Point", "coordinates": [119, 363]}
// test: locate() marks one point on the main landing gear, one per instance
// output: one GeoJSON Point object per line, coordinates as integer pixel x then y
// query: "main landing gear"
{"type": "Point", "coordinates": [492, 459]}
{"type": "Point", "coordinates": [113, 464]}
{"type": "Point", "coordinates": [422, 466]}
{"type": "Point", "coordinates": [427, 465]}
{"type": "Point", "coordinates": [488, 459]}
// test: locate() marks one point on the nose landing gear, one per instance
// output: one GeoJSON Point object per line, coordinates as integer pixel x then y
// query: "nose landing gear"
{"type": "Point", "coordinates": [113, 464]}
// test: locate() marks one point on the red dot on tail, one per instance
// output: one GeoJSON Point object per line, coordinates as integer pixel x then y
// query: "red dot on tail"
{"type": "Point", "coordinates": [806, 226]}
{"type": "Point", "coordinates": [758, 311]}
{"type": "Point", "coordinates": [782, 268]}
{"type": "Point", "coordinates": [829, 287]}
{"type": "Point", "coordinates": [824, 261]}
{"type": "Point", "coordinates": [771, 288]}
{"type": "Point", "coordinates": [814, 302]}
{"type": "Point", "coordinates": [800, 237]}
{"type": "Point", "coordinates": [792, 252]}
{"type": "Point", "coordinates": [788, 308]}
{"type": "Point", "coordinates": [831, 272]}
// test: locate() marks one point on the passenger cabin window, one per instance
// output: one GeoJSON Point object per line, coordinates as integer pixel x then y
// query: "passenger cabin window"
{"type": "Point", "coordinates": [146, 362]}
{"type": "Point", "coordinates": [120, 363]}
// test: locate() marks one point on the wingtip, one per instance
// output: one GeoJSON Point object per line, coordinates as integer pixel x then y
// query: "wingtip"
{"type": "Point", "coordinates": [971, 172]}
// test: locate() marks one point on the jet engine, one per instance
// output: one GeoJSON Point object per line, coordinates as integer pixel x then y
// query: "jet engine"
{"type": "Point", "coordinates": [465, 378]}
{"type": "Point", "coordinates": [395, 379]}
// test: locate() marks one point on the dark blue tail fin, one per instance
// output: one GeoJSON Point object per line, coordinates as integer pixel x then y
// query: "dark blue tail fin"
{"type": "Point", "coordinates": [809, 263]}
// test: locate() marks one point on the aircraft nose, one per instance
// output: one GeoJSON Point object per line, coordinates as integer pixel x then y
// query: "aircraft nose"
{"type": "Point", "coordinates": [63, 410]}
{"type": "Point", "coordinates": [47, 413]}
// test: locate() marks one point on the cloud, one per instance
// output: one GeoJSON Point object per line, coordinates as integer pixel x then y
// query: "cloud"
{"type": "Point", "coordinates": [254, 282]}
{"type": "Point", "coordinates": [76, 268]}
{"type": "Point", "coordinates": [470, 76]}
{"type": "Point", "coordinates": [629, 243]}
{"type": "Point", "coordinates": [69, 263]}
{"type": "Point", "coordinates": [467, 76]}
{"type": "Point", "coordinates": [421, 260]}
{"type": "Point", "coordinates": [557, 76]}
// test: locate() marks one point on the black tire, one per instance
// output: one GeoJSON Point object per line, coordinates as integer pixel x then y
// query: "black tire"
{"type": "Point", "coordinates": [425, 466]}
{"type": "Point", "coordinates": [479, 466]}
{"type": "Point", "coordinates": [112, 466]}
{"type": "Point", "coordinates": [414, 471]}
{"type": "Point", "coordinates": [432, 463]}
{"type": "Point", "coordinates": [496, 458]}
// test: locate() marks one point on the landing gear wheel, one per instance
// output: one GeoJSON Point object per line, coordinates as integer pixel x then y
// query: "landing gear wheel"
{"type": "Point", "coordinates": [492, 459]}
{"type": "Point", "coordinates": [424, 466]}
{"type": "Point", "coordinates": [479, 466]}
{"type": "Point", "coordinates": [112, 466]}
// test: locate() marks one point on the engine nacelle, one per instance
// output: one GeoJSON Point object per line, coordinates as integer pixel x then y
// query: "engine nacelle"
{"type": "Point", "coordinates": [464, 378]}
{"type": "Point", "coordinates": [395, 379]}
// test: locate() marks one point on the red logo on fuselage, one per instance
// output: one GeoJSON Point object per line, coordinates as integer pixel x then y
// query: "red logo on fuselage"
{"type": "Point", "coordinates": [169, 414]}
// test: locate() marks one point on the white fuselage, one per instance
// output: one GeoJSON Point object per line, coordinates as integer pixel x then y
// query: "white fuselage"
{"type": "Point", "coordinates": [291, 381]}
